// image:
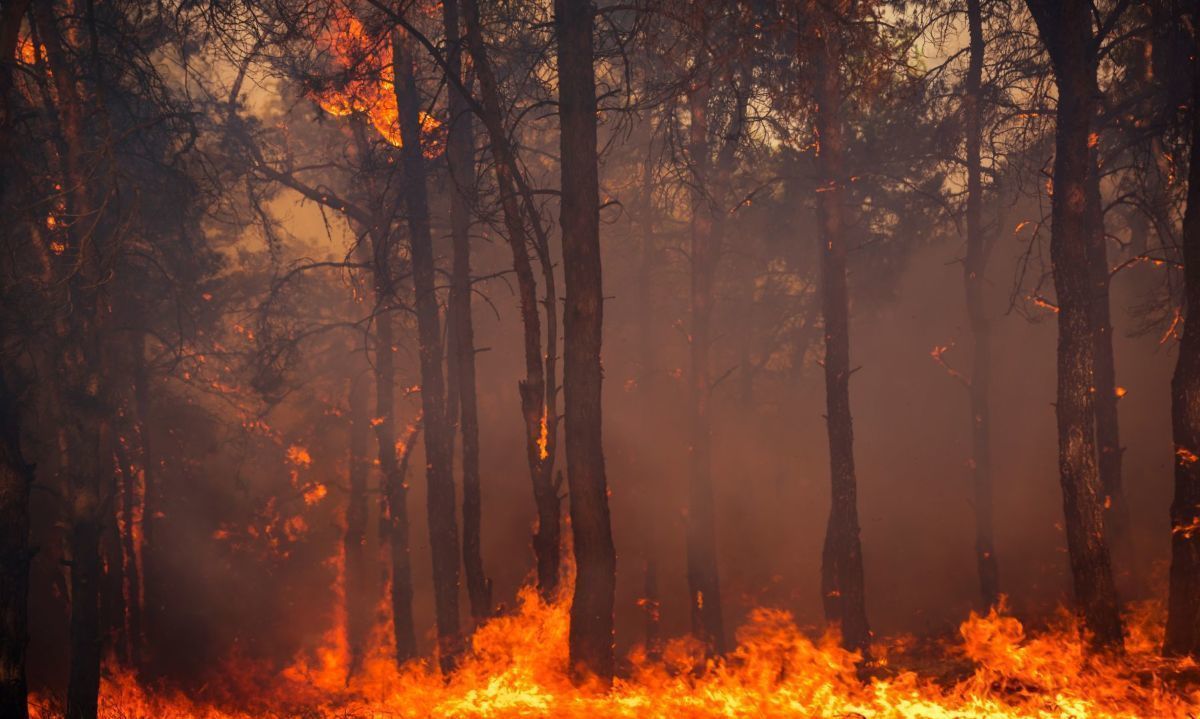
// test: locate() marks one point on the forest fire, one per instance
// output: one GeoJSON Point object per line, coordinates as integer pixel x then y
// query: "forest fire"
{"type": "Point", "coordinates": [679, 359]}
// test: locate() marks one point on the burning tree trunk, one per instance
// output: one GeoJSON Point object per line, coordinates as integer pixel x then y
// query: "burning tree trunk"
{"type": "Point", "coordinates": [443, 522]}
{"type": "Point", "coordinates": [354, 541]}
{"type": "Point", "coordinates": [16, 477]}
{"type": "Point", "coordinates": [153, 602]}
{"type": "Point", "coordinates": [395, 493]}
{"type": "Point", "coordinates": [460, 155]}
{"type": "Point", "coordinates": [842, 583]}
{"type": "Point", "coordinates": [1183, 603]}
{"type": "Point", "coordinates": [1065, 29]}
{"type": "Point", "coordinates": [539, 390]}
{"type": "Point", "coordinates": [591, 633]}
{"type": "Point", "coordinates": [978, 248]}
{"type": "Point", "coordinates": [1106, 394]}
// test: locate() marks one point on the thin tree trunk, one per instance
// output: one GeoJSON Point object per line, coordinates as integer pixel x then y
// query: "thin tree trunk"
{"type": "Point", "coordinates": [443, 515]}
{"type": "Point", "coordinates": [1183, 602]}
{"type": "Point", "coordinates": [1108, 435]}
{"type": "Point", "coordinates": [460, 155]}
{"type": "Point", "coordinates": [153, 603]}
{"type": "Point", "coordinates": [358, 592]}
{"type": "Point", "coordinates": [538, 391]}
{"type": "Point", "coordinates": [16, 477]}
{"type": "Point", "coordinates": [980, 467]}
{"type": "Point", "coordinates": [591, 631]}
{"type": "Point", "coordinates": [395, 491]}
{"type": "Point", "coordinates": [1065, 28]}
{"type": "Point", "coordinates": [132, 583]}
{"type": "Point", "coordinates": [842, 583]}
{"type": "Point", "coordinates": [704, 586]}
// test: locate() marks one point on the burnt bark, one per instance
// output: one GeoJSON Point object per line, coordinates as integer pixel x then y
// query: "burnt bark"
{"type": "Point", "coordinates": [460, 156]}
{"type": "Point", "coordinates": [1065, 28]}
{"type": "Point", "coordinates": [131, 578]}
{"type": "Point", "coordinates": [538, 391]}
{"type": "Point", "coordinates": [153, 602]}
{"type": "Point", "coordinates": [443, 514]}
{"type": "Point", "coordinates": [842, 583]}
{"type": "Point", "coordinates": [358, 587]}
{"type": "Point", "coordinates": [975, 268]}
{"type": "Point", "coordinates": [16, 478]}
{"type": "Point", "coordinates": [1183, 601]}
{"type": "Point", "coordinates": [591, 631]}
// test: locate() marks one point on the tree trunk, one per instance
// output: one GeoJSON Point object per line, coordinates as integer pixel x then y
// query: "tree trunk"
{"type": "Point", "coordinates": [132, 583]}
{"type": "Point", "coordinates": [842, 583]}
{"type": "Point", "coordinates": [153, 603]}
{"type": "Point", "coordinates": [1183, 602]}
{"type": "Point", "coordinates": [980, 467]}
{"type": "Point", "coordinates": [1108, 436]}
{"type": "Point", "coordinates": [16, 477]}
{"type": "Point", "coordinates": [704, 586]}
{"type": "Point", "coordinates": [538, 391]}
{"type": "Point", "coordinates": [1066, 31]}
{"type": "Point", "coordinates": [358, 594]}
{"type": "Point", "coordinates": [395, 492]}
{"type": "Point", "coordinates": [443, 519]}
{"type": "Point", "coordinates": [591, 632]}
{"type": "Point", "coordinates": [460, 155]}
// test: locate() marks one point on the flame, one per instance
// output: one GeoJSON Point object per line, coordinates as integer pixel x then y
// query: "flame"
{"type": "Point", "coordinates": [543, 441]}
{"type": "Point", "coordinates": [299, 456]}
{"type": "Point", "coordinates": [368, 86]}
{"type": "Point", "coordinates": [515, 667]}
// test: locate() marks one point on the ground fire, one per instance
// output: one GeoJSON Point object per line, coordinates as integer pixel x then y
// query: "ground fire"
{"type": "Point", "coordinates": [584, 358]}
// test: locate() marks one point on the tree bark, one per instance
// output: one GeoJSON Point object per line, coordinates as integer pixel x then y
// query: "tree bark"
{"type": "Point", "coordinates": [443, 514]}
{"type": "Point", "coordinates": [591, 630]}
{"type": "Point", "coordinates": [1065, 28]}
{"type": "Point", "coordinates": [357, 585]}
{"type": "Point", "coordinates": [16, 477]}
{"type": "Point", "coordinates": [153, 602]}
{"type": "Point", "coordinates": [980, 467]}
{"type": "Point", "coordinates": [1183, 602]}
{"type": "Point", "coordinates": [460, 155]}
{"type": "Point", "coordinates": [704, 586]}
{"type": "Point", "coordinates": [842, 583]}
{"type": "Point", "coordinates": [538, 391]}
{"type": "Point", "coordinates": [131, 583]}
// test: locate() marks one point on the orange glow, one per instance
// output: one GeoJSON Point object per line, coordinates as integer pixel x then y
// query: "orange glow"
{"type": "Point", "coordinates": [369, 87]}
{"type": "Point", "coordinates": [543, 441]}
{"type": "Point", "coordinates": [515, 667]}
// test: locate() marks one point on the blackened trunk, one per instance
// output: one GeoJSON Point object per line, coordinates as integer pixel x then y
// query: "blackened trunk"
{"type": "Point", "coordinates": [460, 154]}
{"type": "Point", "coordinates": [394, 489]}
{"type": "Point", "coordinates": [538, 390]}
{"type": "Point", "coordinates": [16, 477]}
{"type": "Point", "coordinates": [443, 514]}
{"type": "Point", "coordinates": [132, 583]}
{"type": "Point", "coordinates": [153, 516]}
{"type": "Point", "coordinates": [1183, 602]}
{"type": "Point", "coordinates": [842, 582]}
{"type": "Point", "coordinates": [1106, 395]}
{"type": "Point", "coordinates": [358, 594]}
{"type": "Point", "coordinates": [591, 632]}
{"type": "Point", "coordinates": [980, 467]}
{"type": "Point", "coordinates": [704, 586]}
{"type": "Point", "coordinates": [1065, 28]}
{"type": "Point", "coordinates": [83, 683]}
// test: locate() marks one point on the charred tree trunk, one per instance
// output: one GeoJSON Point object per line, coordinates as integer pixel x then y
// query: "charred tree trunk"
{"type": "Point", "coordinates": [460, 155]}
{"type": "Point", "coordinates": [394, 489]}
{"type": "Point", "coordinates": [981, 327]}
{"type": "Point", "coordinates": [16, 477]}
{"type": "Point", "coordinates": [591, 632]}
{"type": "Point", "coordinates": [153, 602]}
{"type": "Point", "coordinates": [443, 515]}
{"type": "Point", "coordinates": [704, 586]}
{"type": "Point", "coordinates": [1183, 603]}
{"type": "Point", "coordinates": [354, 541]}
{"type": "Point", "coordinates": [1106, 396]}
{"type": "Point", "coordinates": [1065, 29]}
{"type": "Point", "coordinates": [132, 582]}
{"type": "Point", "coordinates": [538, 391]}
{"type": "Point", "coordinates": [842, 583]}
